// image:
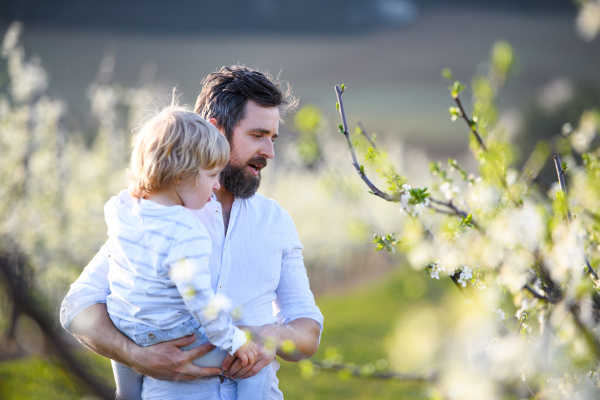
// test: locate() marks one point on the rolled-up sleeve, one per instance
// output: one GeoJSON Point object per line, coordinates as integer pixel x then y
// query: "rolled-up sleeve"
{"type": "Point", "coordinates": [294, 297]}
{"type": "Point", "coordinates": [90, 288]}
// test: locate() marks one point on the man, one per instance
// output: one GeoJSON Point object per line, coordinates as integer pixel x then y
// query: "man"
{"type": "Point", "coordinates": [256, 256]}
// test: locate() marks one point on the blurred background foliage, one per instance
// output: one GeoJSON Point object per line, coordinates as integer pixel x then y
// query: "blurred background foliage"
{"type": "Point", "coordinates": [80, 77]}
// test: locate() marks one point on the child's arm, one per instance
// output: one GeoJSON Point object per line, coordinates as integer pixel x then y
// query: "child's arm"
{"type": "Point", "coordinates": [189, 270]}
{"type": "Point", "coordinates": [83, 313]}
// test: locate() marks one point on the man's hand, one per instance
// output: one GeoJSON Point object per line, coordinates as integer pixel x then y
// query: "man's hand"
{"type": "Point", "coordinates": [303, 333]}
{"type": "Point", "coordinates": [166, 361]}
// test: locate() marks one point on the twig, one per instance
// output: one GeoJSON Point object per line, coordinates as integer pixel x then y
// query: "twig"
{"type": "Point", "coordinates": [449, 204]}
{"type": "Point", "coordinates": [537, 294]}
{"type": "Point", "coordinates": [455, 211]}
{"type": "Point", "coordinates": [589, 336]}
{"type": "Point", "coordinates": [473, 129]}
{"type": "Point", "coordinates": [374, 189]}
{"type": "Point", "coordinates": [530, 391]}
{"type": "Point", "coordinates": [440, 211]}
{"type": "Point", "coordinates": [366, 135]}
{"type": "Point", "coordinates": [563, 187]}
{"type": "Point", "coordinates": [355, 371]}
{"type": "Point", "coordinates": [470, 123]}
{"type": "Point", "coordinates": [459, 287]}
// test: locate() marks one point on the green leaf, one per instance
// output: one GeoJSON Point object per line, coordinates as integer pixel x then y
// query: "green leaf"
{"type": "Point", "coordinates": [468, 221]}
{"type": "Point", "coordinates": [564, 166]}
{"type": "Point", "coordinates": [343, 87]}
{"type": "Point", "coordinates": [456, 88]}
{"type": "Point", "coordinates": [371, 155]}
{"type": "Point", "coordinates": [362, 169]}
{"type": "Point", "coordinates": [447, 74]}
{"type": "Point", "coordinates": [337, 105]}
{"type": "Point", "coordinates": [341, 128]}
{"type": "Point", "coordinates": [387, 242]}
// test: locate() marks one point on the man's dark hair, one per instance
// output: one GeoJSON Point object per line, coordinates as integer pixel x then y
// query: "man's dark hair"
{"type": "Point", "coordinates": [225, 93]}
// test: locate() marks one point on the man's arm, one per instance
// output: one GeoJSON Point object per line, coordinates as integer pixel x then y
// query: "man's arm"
{"type": "Point", "coordinates": [300, 320]}
{"type": "Point", "coordinates": [83, 313]}
{"type": "Point", "coordinates": [303, 333]}
{"type": "Point", "coordinates": [94, 329]}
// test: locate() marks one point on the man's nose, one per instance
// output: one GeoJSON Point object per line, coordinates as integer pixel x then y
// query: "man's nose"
{"type": "Point", "coordinates": [267, 150]}
{"type": "Point", "coordinates": [216, 186]}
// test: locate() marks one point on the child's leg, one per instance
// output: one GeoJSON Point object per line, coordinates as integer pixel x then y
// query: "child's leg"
{"type": "Point", "coordinates": [129, 382]}
{"type": "Point", "coordinates": [256, 388]}
{"type": "Point", "coordinates": [213, 358]}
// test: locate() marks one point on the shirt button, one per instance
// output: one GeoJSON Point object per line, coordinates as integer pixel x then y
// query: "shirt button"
{"type": "Point", "coordinates": [151, 335]}
{"type": "Point", "coordinates": [217, 211]}
{"type": "Point", "coordinates": [220, 287]}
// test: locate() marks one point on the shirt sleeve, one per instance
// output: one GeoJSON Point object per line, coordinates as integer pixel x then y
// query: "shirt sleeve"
{"type": "Point", "coordinates": [90, 288]}
{"type": "Point", "coordinates": [189, 270]}
{"type": "Point", "coordinates": [294, 297]}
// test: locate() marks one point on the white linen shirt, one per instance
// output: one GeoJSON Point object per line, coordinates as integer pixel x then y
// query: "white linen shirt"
{"type": "Point", "coordinates": [258, 265]}
{"type": "Point", "coordinates": [158, 259]}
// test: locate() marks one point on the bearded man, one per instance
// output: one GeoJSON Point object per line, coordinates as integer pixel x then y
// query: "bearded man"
{"type": "Point", "coordinates": [256, 258]}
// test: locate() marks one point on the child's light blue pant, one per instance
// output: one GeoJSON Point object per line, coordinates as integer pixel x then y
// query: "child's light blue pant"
{"type": "Point", "coordinates": [133, 386]}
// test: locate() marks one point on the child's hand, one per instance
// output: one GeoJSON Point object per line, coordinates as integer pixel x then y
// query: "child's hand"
{"type": "Point", "coordinates": [247, 353]}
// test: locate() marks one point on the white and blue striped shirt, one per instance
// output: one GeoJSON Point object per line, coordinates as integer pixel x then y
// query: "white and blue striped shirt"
{"type": "Point", "coordinates": [258, 265]}
{"type": "Point", "coordinates": [159, 270]}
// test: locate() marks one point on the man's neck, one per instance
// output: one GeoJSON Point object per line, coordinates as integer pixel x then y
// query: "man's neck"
{"type": "Point", "coordinates": [225, 198]}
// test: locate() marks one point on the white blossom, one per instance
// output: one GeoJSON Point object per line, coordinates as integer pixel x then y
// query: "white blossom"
{"type": "Point", "coordinates": [436, 267]}
{"type": "Point", "coordinates": [466, 274]}
{"type": "Point", "coordinates": [448, 190]}
{"type": "Point", "coordinates": [588, 20]}
{"type": "Point", "coordinates": [217, 304]}
{"type": "Point", "coordinates": [586, 131]}
{"type": "Point", "coordinates": [492, 346]}
{"type": "Point", "coordinates": [500, 314]}
{"type": "Point", "coordinates": [182, 271]}
{"type": "Point", "coordinates": [405, 207]}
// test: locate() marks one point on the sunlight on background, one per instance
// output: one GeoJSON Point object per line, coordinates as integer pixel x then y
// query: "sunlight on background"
{"type": "Point", "coordinates": [70, 97]}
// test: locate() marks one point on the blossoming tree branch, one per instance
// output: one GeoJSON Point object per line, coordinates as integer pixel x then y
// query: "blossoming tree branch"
{"type": "Point", "coordinates": [513, 243]}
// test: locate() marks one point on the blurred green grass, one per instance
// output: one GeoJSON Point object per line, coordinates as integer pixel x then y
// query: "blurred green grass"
{"type": "Point", "coordinates": [358, 323]}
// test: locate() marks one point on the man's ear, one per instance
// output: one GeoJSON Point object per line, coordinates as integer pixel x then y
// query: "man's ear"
{"type": "Point", "coordinates": [213, 122]}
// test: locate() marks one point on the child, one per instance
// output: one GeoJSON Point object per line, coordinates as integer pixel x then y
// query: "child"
{"type": "Point", "coordinates": [159, 277]}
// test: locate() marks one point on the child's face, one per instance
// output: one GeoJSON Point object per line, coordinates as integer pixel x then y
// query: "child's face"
{"type": "Point", "coordinates": [195, 193]}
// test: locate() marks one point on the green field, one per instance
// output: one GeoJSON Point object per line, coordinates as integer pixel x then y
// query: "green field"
{"type": "Point", "coordinates": [359, 325]}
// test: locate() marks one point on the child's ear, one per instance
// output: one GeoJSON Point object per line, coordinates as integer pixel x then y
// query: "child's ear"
{"type": "Point", "coordinates": [213, 122]}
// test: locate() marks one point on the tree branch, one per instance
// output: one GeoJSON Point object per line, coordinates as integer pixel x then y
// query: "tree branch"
{"type": "Point", "coordinates": [537, 294]}
{"type": "Point", "coordinates": [470, 123]}
{"type": "Point", "coordinates": [561, 178]}
{"type": "Point", "coordinates": [11, 268]}
{"type": "Point", "coordinates": [366, 135]}
{"type": "Point", "coordinates": [455, 211]}
{"type": "Point", "coordinates": [473, 129]}
{"type": "Point", "coordinates": [390, 375]}
{"type": "Point", "coordinates": [361, 173]}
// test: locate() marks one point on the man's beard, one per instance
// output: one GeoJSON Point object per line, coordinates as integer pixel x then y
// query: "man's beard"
{"type": "Point", "coordinates": [238, 181]}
